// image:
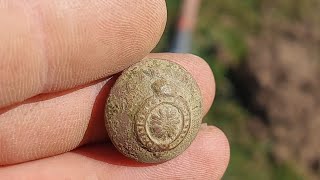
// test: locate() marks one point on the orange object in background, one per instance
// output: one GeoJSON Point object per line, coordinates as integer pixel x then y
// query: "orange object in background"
{"type": "Point", "coordinates": [187, 21]}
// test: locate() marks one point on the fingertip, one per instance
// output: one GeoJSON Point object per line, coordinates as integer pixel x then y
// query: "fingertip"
{"type": "Point", "coordinates": [217, 150]}
{"type": "Point", "coordinates": [53, 46]}
{"type": "Point", "coordinates": [158, 24]}
{"type": "Point", "coordinates": [203, 74]}
{"type": "Point", "coordinates": [206, 158]}
{"type": "Point", "coordinates": [110, 36]}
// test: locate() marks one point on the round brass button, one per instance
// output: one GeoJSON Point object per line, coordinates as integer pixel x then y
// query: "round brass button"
{"type": "Point", "coordinates": [154, 111]}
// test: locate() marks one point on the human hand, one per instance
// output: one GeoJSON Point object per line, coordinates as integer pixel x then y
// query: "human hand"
{"type": "Point", "coordinates": [55, 59]}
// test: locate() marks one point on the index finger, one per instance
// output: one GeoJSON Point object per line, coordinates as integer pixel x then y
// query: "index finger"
{"type": "Point", "coordinates": [54, 45]}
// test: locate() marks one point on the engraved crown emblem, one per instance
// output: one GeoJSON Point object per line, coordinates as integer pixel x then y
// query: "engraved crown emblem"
{"type": "Point", "coordinates": [161, 87]}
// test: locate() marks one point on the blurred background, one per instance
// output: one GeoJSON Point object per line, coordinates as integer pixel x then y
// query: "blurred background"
{"type": "Point", "coordinates": [266, 59]}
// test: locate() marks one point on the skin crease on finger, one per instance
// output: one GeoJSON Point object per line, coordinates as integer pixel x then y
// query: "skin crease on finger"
{"type": "Point", "coordinates": [50, 46]}
{"type": "Point", "coordinates": [62, 122]}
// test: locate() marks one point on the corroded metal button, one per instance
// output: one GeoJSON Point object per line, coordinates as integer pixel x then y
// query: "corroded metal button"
{"type": "Point", "coordinates": [154, 111]}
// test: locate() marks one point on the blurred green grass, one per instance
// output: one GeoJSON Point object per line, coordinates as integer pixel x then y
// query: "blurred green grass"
{"type": "Point", "coordinates": [222, 29]}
